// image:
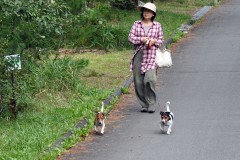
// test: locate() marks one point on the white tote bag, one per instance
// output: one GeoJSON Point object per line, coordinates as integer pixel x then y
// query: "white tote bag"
{"type": "Point", "coordinates": [163, 58]}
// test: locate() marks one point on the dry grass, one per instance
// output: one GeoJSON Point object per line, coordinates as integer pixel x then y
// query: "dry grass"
{"type": "Point", "coordinates": [106, 71]}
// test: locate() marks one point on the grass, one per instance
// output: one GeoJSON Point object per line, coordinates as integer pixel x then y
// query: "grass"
{"type": "Point", "coordinates": [54, 112]}
{"type": "Point", "coordinates": [106, 71]}
{"type": "Point", "coordinates": [34, 131]}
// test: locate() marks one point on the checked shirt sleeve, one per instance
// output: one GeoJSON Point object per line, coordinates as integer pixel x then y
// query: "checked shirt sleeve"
{"type": "Point", "coordinates": [134, 36]}
{"type": "Point", "coordinates": [160, 38]}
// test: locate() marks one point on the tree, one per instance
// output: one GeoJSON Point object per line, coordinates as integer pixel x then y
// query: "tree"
{"type": "Point", "coordinates": [28, 27]}
{"type": "Point", "coordinates": [30, 22]}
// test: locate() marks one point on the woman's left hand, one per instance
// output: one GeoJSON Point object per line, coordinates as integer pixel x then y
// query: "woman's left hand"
{"type": "Point", "coordinates": [153, 41]}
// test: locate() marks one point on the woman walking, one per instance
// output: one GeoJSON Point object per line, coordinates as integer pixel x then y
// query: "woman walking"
{"type": "Point", "coordinates": [146, 35]}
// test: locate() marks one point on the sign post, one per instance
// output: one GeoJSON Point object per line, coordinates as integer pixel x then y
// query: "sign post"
{"type": "Point", "coordinates": [13, 64]}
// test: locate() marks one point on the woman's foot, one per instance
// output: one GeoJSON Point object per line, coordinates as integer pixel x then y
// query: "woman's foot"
{"type": "Point", "coordinates": [144, 109]}
{"type": "Point", "coordinates": [151, 109]}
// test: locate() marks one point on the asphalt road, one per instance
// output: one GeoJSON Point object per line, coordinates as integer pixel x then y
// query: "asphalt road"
{"type": "Point", "coordinates": [203, 86]}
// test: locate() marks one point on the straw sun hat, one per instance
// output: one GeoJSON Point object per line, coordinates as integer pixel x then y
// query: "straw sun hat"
{"type": "Point", "coordinates": [149, 6]}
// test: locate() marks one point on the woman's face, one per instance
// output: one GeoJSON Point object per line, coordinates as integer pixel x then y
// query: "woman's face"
{"type": "Point", "coordinates": [147, 14]}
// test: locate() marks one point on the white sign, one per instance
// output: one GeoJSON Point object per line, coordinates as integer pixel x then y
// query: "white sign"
{"type": "Point", "coordinates": [13, 62]}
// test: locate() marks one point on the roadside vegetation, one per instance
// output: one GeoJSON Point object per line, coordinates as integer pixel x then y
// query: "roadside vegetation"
{"type": "Point", "coordinates": [74, 54]}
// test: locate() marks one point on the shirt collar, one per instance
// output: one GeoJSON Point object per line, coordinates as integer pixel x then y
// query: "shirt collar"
{"type": "Point", "coordinates": [140, 22]}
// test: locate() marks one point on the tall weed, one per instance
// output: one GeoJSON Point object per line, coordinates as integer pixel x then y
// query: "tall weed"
{"type": "Point", "coordinates": [55, 75]}
{"type": "Point", "coordinates": [49, 75]}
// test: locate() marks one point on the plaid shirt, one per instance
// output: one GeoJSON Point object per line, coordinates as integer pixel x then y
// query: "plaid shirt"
{"type": "Point", "coordinates": [149, 55]}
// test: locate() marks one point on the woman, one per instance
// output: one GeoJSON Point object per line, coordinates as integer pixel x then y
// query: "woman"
{"type": "Point", "coordinates": [146, 35]}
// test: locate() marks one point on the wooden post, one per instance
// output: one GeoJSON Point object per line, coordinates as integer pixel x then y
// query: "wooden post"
{"type": "Point", "coordinates": [13, 105]}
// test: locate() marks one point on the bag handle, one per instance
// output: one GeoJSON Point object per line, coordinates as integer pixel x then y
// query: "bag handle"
{"type": "Point", "coordinates": [162, 47]}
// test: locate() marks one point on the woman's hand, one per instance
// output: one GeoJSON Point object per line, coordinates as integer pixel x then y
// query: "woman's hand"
{"type": "Point", "coordinates": [153, 41]}
{"type": "Point", "coordinates": [144, 39]}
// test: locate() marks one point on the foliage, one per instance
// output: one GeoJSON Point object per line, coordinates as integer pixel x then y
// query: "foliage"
{"type": "Point", "coordinates": [30, 28]}
{"type": "Point", "coordinates": [54, 75]}
{"type": "Point", "coordinates": [30, 23]}
{"type": "Point", "coordinates": [60, 75]}
{"type": "Point", "coordinates": [78, 6]}
{"type": "Point", "coordinates": [31, 135]}
{"type": "Point", "coordinates": [123, 4]}
{"type": "Point", "coordinates": [125, 90]}
{"type": "Point", "coordinates": [177, 36]}
{"type": "Point", "coordinates": [96, 28]}
{"type": "Point", "coordinates": [52, 101]}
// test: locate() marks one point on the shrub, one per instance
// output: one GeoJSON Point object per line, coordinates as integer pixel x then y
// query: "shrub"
{"type": "Point", "coordinates": [123, 4]}
{"type": "Point", "coordinates": [53, 76]}
{"type": "Point", "coordinates": [97, 28]}
{"type": "Point", "coordinates": [27, 23]}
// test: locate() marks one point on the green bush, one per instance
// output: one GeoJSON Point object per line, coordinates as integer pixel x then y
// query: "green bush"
{"type": "Point", "coordinates": [97, 28]}
{"type": "Point", "coordinates": [78, 6]}
{"type": "Point", "coordinates": [5, 88]}
{"type": "Point", "coordinates": [123, 4]}
{"type": "Point", "coordinates": [28, 23]}
{"type": "Point", "coordinates": [53, 76]}
{"type": "Point", "coordinates": [177, 36]}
